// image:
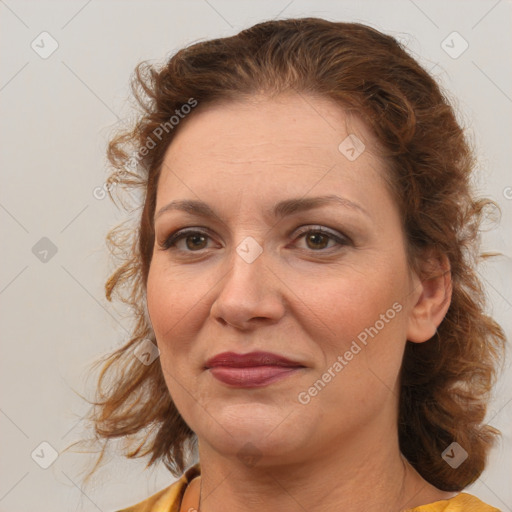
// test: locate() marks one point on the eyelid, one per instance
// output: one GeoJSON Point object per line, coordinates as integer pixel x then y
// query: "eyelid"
{"type": "Point", "coordinates": [321, 229]}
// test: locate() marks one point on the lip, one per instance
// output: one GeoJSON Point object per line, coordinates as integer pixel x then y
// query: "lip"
{"type": "Point", "coordinates": [234, 360]}
{"type": "Point", "coordinates": [254, 369]}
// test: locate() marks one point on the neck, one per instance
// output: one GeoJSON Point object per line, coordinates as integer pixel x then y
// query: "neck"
{"type": "Point", "coordinates": [367, 474]}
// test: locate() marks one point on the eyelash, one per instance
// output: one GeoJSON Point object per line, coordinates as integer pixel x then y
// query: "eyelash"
{"type": "Point", "coordinates": [170, 242]}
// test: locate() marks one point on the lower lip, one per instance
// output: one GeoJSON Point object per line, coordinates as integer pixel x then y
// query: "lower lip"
{"type": "Point", "coordinates": [252, 376]}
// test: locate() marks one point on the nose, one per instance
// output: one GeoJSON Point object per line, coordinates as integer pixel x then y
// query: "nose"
{"type": "Point", "coordinates": [249, 294]}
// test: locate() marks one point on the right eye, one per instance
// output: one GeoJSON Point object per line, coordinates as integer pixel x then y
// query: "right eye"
{"type": "Point", "coordinates": [194, 240]}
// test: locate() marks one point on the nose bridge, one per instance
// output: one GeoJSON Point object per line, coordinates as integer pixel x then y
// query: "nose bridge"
{"type": "Point", "coordinates": [246, 292]}
{"type": "Point", "coordinates": [246, 263]}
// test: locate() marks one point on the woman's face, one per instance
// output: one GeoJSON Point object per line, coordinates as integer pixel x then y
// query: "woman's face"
{"type": "Point", "coordinates": [257, 275]}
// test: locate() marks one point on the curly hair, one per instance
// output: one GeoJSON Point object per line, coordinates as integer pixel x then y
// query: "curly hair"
{"type": "Point", "coordinates": [445, 381]}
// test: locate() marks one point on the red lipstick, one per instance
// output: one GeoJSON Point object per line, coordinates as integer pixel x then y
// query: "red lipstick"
{"type": "Point", "coordinates": [251, 370]}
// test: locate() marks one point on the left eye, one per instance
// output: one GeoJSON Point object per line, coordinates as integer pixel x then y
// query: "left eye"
{"type": "Point", "coordinates": [318, 239]}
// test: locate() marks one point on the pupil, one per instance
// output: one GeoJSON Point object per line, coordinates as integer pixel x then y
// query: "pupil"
{"type": "Point", "coordinates": [196, 240]}
{"type": "Point", "coordinates": [317, 239]}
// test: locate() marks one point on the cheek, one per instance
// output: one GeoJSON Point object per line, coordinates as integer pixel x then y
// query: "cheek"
{"type": "Point", "coordinates": [366, 328]}
{"type": "Point", "coordinates": [178, 307]}
{"type": "Point", "coordinates": [170, 306]}
{"type": "Point", "coordinates": [169, 302]}
{"type": "Point", "coordinates": [363, 316]}
{"type": "Point", "coordinates": [352, 301]}
{"type": "Point", "coordinates": [159, 301]}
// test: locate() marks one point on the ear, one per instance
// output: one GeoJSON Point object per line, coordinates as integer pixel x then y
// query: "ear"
{"type": "Point", "coordinates": [432, 298]}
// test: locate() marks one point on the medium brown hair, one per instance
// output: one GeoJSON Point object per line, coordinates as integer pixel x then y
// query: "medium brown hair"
{"type": "Point", "coordinates": [446, 381]}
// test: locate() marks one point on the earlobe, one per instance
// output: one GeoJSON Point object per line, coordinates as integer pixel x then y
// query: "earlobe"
{"type": "Point", "coordinates": [433, 299]}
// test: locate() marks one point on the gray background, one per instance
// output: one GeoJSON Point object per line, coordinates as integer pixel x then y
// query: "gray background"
{"type": "Point", "coordinates": [56, 116]}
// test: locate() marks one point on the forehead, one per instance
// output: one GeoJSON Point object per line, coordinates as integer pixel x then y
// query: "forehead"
{"type": "Point", "coordinates": [269, 148]}
{"type": "Point", "coordinates": [295, 133]}
{"type": "Point", "coordinates": [283, 125]}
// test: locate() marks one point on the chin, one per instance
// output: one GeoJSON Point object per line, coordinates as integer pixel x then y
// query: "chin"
{"type": "Point", "coordinates": [253, 449]}
{"type": "Point", "coordinates": [254, 430]}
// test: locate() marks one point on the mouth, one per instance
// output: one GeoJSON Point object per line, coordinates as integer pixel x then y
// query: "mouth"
{"type": "Point", "coordinates": [255, 369]}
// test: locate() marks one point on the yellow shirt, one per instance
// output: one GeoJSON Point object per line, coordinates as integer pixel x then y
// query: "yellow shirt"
{"type": "Point", "coordinates": [169, 499]}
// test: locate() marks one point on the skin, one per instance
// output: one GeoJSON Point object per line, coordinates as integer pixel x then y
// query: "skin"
{"type": "Point", "coordinates": [304, 300]}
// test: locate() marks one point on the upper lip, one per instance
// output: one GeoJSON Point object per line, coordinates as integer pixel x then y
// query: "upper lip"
{"type": "Point", "coordinates": [259, 358]}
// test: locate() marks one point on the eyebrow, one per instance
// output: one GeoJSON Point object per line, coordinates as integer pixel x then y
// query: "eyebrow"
{"type": "Point", "coordinates": [280, 210]}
